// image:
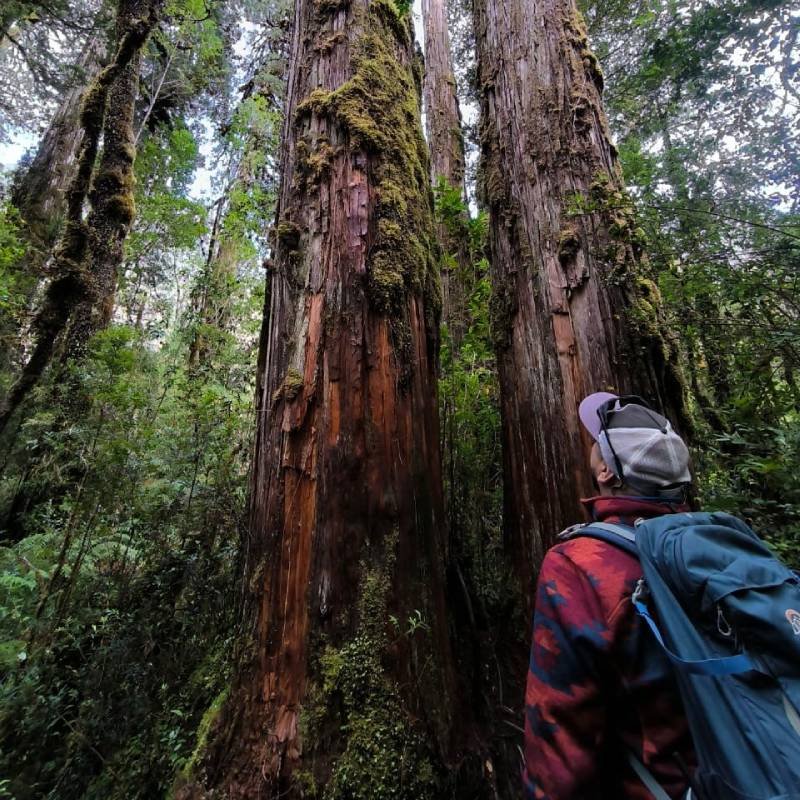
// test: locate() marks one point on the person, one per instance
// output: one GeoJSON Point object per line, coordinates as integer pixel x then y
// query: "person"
{"type": "Point", "coordinates": [601, 695]}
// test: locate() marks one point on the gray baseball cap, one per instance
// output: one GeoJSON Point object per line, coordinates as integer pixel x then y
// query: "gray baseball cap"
{"type": "Point", "coordinates": [638, 444]}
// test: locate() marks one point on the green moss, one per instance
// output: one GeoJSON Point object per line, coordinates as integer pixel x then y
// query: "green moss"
{"type": "Point", "coordinates": [288, 234]}
{"type": "Point", "coordinates": [313, 165]}
{"type": "Point", "coordinates": [378, 109]}
{"type": "Point", "coordinates": [203, 729]}
{"type": "Point", "coordinates": [315, 103]}
{"type": "Point", "coordinates": [619, 216]}
{"type": "Point", "coordinates": [577, 36]}
{"type": "Point", "coordinates": [383, 754]}
{"type": "Point", "coordinates": [644, 309]}
{"type": "Point", "coordinates": [592, 67]}
{"type": "Point", "coordinates": [93, 102]}
{"type": "Point", "coordinates": [568, 244]}
{"type": "Point", "coordinates": [127, 152]}
{"type": "Point", "coordinates": [394, 14]}
{"type": "Point", "coordinates": [418, 71]}
{"type": "Point", "coordinates": [328, 7]}
{"type": "Point", "coordinates": [329, 41]}
{"type": "Point", "coordinates": [121, 208]}
{"type": "Point", "coordinates": [291, 387]}
{"type": "Point", "coordinates": [112, 191]}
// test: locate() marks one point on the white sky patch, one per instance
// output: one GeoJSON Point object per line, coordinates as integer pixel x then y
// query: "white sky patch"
{"type": "Point", "coordinates": [202, 185]}
{"type": "Point", "coordinates": [416, 16]}
{"type": "Point", "coordinates": [13, 150]}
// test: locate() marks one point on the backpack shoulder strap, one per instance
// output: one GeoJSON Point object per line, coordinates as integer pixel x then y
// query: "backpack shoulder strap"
{"type": "Point", "coordinates": [621, 536]}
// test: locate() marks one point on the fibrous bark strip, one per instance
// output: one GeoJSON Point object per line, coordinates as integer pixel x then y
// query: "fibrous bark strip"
{"type": "Point", "coordinates": [446, 143]}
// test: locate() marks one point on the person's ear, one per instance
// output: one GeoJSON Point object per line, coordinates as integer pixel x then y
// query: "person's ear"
{"type": "Point", "coordinates": [606, 478]}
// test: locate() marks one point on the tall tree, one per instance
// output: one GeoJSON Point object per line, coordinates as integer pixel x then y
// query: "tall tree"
{"type": "Point", "coordinates": [446, 143]}
{"type": "Point", "coordinates": [39, 192]}
{"type": "Point", "coordinates": [112, 200]}
{"type": "Point", "coordinates": [89, 249]}
{"type": "Point", "coordinates": [39, 40]}
{"type": "Point", "coordinates": [347, 679]}
{"type": "Point", "coordinates": [573, 308]}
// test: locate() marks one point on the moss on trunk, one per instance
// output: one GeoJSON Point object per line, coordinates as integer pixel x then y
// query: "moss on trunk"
{"type": "Point", "coordinates": [73, 281]}
{"type": "Point", "coordinates": [345, 682]}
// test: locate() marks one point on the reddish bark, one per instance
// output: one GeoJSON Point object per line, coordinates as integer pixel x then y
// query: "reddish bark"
{"type": "Point", "coordinates": [572, 311]}
{"type": "Point", "coordinates": [442, 115]}
{"type": "Point", "coordinates": [346, 481]}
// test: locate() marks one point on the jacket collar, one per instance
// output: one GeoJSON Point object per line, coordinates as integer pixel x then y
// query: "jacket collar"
{"type": "Point", "coordinates": [627, 509]}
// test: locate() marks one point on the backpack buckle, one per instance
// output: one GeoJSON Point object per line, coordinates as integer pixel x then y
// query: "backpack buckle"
{"type": "Point", "coordinates": [569, 532]}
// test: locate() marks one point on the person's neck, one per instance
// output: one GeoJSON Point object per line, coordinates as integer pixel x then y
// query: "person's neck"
{"type": "Point", "coordinates": [628, 508]}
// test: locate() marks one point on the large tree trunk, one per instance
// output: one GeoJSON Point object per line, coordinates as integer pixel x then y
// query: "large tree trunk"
{"type": "Point", "coordinates": [573, 310]}
{"type": "Point", "coordinates": [72, 282]}
{"type": "Point", "coordinates": [442, 115]}
{"type": "Point", "coordinates": [446, 143]}
{"type": "Point", "coordinates": [347, 679]}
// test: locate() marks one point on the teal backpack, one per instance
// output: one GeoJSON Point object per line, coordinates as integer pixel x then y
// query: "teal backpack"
{"type": "Point", "coordinates": [727, 613]}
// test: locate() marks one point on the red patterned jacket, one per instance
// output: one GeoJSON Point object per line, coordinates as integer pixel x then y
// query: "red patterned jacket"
{"type": "Point", "coordinates": [597, 682]}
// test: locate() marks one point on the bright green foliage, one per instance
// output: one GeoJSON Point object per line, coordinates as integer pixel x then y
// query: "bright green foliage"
{"type": "Point", "coordinates": [252, 139]}
{"type": "Point", "coordinates": [165, 165]}
{"type": "Point", "coordinates": [703, 99]}
{"type": "Point", "coordinates": [132, 642]}
{"type": "Point", "coordinates": [188, 63]}
{"type": "Point", "coordinates": [16, 287]}
{"type": "Point", "coordinates": [118, 600]}
{"type": "Point", "coordinates": [469, 404]}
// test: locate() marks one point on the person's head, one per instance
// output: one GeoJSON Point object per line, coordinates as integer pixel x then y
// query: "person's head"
{"type": "Point", "coordinates": [635, 451]}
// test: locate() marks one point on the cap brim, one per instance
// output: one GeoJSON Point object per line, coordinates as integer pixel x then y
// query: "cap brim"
{"type": "Point", "coordinates": [587, 411]}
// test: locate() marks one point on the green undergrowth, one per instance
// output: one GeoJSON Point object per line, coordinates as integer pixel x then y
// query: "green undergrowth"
{"type": "Point", "coordinates": [116, 621]}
